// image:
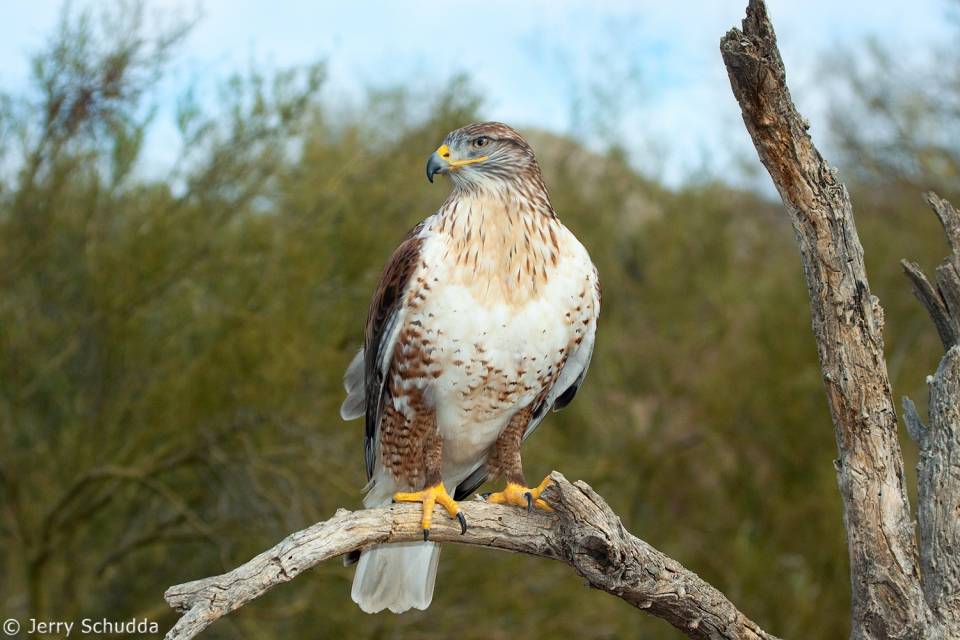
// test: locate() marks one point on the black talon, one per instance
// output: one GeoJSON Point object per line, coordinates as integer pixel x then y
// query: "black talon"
{"type": "Point", "coordinates": [463, 523]}
{"type": "Point", "coordinates": [529, 497]}
{"type": "Point", "coordinates": [426, 534]}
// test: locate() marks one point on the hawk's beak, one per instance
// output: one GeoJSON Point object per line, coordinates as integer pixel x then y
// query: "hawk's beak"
{"type": "Point", "coordinates": [440, 162]}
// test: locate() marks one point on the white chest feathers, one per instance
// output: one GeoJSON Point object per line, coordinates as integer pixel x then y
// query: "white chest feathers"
{"type": "Point", "coordinates": [491, 317]}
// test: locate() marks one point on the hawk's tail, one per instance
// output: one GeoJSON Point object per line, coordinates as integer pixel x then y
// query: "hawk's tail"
{"type": "Point", "coordinates": [396, 576]}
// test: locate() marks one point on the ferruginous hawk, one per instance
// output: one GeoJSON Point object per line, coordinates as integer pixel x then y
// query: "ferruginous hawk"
{"type": "Point", "coordinates": [482, 321]}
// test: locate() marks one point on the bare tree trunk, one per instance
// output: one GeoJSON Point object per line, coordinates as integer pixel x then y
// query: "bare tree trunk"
{"type": "Point", "coordinates": [889, 600]}
{"type": "Point", "coordinates": [939, 495]}
{"type": "Point", "coordinates": [938, 514]}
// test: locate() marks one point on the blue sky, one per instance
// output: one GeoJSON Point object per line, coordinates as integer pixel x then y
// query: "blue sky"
{"type": "Point", "coordinates": [656, 64]}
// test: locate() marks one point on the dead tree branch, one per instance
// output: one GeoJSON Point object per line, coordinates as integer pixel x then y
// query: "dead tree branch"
{"type": "Point", "coordinates": [847, 322]}
{"type": "Point", "coordinates": [583, 533]}
{"type": "Point", "coordinates": [938, 514]}
{"type": "Point", "coordinates": [943, 301]}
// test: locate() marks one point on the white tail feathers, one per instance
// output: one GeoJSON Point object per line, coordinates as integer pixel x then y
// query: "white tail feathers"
{"type": "Point", "coordinates": [396, 576]}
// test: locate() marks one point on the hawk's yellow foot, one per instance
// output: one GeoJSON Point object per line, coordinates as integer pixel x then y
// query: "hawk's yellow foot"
{"type": "Point", "coordinates": [429, 497]}
{"type": "Point", "coordinates": [522, 496]}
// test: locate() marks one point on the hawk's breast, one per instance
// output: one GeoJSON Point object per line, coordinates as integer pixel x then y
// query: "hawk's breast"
{"type": "Point", "coordinates": [486, 342]}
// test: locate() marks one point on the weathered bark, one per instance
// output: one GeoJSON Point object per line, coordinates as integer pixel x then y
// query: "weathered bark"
{"type": "Point", "coordinates": [938, 514]}
{"type": "Point", "coordinates": [583, 533]}
{"type": "Point", "coordinates": [847, 323]}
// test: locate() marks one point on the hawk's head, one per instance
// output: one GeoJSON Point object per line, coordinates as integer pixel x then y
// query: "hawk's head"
{"type": "Point", "coordinates": [484, 153]}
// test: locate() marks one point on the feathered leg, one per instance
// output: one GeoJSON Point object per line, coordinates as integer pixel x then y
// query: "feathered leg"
{"type": "Point", "coordinates": [401, 576]}
{"type": "Point", "coordinates": [433, 489]}
{"type": "Point", "coordinates": [507, 450]}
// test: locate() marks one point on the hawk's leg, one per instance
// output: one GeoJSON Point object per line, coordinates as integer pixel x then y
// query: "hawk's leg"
{"type": "Point", "coordinates": [507, 452]}
{"type": "Point", "coordinates": [433, 490]}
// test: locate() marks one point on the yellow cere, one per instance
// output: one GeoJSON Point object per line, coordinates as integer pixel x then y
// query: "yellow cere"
{"type": "Point", "coordinates": [444, 152]}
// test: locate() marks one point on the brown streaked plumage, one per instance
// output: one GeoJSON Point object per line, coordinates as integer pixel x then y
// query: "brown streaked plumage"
{"type": "Point", "coordinates": [482, 321]}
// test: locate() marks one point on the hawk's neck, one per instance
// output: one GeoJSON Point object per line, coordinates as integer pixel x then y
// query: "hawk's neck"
{"type": "Point", "coordinates": [504, 245]}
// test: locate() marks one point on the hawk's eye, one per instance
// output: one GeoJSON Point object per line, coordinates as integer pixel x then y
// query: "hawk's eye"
{"type": "Point", "coordinates": [480, 142]}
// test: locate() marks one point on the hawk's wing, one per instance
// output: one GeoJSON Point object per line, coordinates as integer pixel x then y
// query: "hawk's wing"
{"type": "Point", "coordinates": [574, 369]}
{"type": "Point", "coordinates": [365, 379]}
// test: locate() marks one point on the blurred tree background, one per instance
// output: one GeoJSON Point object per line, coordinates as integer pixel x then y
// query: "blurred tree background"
{"type": "Point", "coordinates": [171, 347]}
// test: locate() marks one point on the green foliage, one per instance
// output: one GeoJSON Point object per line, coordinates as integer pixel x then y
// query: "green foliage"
{"type": "Point", "coordinates": [171, 352]}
